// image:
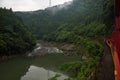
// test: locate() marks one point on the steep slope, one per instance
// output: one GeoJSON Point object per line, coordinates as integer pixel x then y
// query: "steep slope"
{"type": "Point", "coordinates": [82, 23]}
{"type": "Point", "coordinates": [15, 38]}
{"type": "Point", "coordinates": [84, 17]}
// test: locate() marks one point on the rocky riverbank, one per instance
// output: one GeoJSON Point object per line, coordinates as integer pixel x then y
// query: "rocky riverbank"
{"type": "Point", "coordinates": [44, 47]}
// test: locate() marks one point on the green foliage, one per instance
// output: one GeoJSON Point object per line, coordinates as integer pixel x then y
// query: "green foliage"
{"type": "Point", "coordinates": [78, 23]}
{"type": "Point", "coordinates": [108, 15]}
{"type": "Point", "coordinates": [55, 77]}
{"type": "Point", "coordinates": [93, 29]}
{"type": "Point", "coordinates": [14, 35]}
{"type": "Point", "coordinates": [94, 49]}
{"type": "Point", "coordinates": [72, 67]}
{"type": "Point", "coordinates": [82, 69]}
{"type": "Point", "coordinates": [79, 70]}
{"type": "Point", "coordinates": [83, 17]}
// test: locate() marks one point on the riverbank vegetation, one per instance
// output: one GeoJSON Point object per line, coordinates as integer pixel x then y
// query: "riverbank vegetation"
{"type": "Point", "coordinates": [15, 37]}
{"type": "Point", "coordinates": [89, 52]}
{"type": "Point", "coordinates": [82, 23]}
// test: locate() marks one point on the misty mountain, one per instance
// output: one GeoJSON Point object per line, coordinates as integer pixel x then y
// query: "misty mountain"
{"type": "Point", "coordinates": [81, 17]}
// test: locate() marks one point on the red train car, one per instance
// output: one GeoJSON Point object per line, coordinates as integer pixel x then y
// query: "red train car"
{"type": "Point", "coordinates": [113, 40]}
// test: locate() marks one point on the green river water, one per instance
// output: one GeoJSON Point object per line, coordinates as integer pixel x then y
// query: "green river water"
{"type": "Point", "coordinates": [34, 68]}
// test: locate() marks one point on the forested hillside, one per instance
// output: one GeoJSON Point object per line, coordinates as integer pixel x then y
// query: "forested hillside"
{"type": "Point", "coordinates": [15, 37]}
{"type": "Point", "coordinates": [81, 17]}
{"type": "Point", "coordinates": [82, 23]}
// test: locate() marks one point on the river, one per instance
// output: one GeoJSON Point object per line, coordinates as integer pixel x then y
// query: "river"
{"type": "Point", "coordinates": [35, 66]}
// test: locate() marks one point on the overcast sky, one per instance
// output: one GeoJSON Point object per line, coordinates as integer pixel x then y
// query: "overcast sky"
{"type": "Point", "coordinates": [29, 5]}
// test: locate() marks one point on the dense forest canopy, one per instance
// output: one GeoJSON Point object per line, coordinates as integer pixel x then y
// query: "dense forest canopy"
{"type": "Point", "coordinates": [15, 37]}
{"type": "Point", "coordinates": [82, 17]}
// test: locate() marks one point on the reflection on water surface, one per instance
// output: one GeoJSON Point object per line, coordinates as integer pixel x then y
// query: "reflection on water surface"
{"type": "Point", "coordinates": [40, 73]}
